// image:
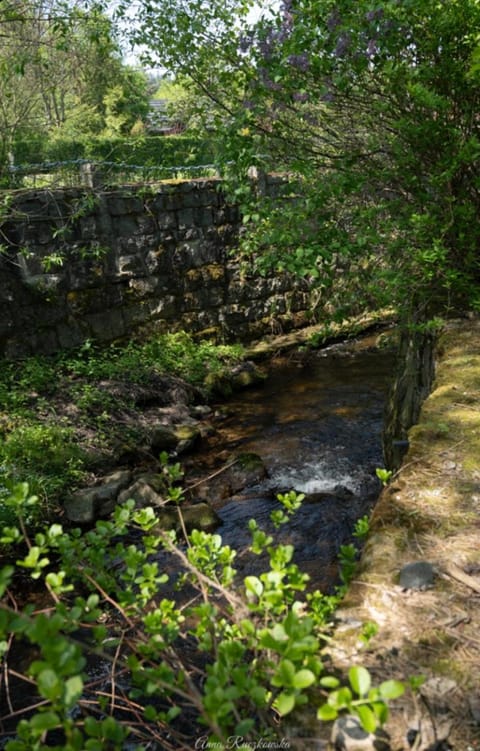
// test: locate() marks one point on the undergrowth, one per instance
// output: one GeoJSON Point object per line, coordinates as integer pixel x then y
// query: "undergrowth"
{"type": "Point", "coordinates": [47, 402]}
{"type": "Point", "coordinates": [197, 654]}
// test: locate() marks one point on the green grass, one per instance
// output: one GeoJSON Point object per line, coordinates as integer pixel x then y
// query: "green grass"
{"type": "Point", "coordinates": [48, 404]}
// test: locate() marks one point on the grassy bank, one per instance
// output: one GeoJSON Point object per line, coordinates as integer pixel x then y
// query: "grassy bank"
{"type": "Point", "coordinates": [429, 512]}
{"type": "Point", "coordinates": [60, 417]}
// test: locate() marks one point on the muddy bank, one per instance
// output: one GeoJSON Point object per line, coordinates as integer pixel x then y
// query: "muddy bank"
{"type": "Point", "coordinates": [429, 512]}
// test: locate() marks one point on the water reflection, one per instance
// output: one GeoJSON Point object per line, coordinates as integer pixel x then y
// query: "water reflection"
{"type": "Point", "coordinates": [317, 427]}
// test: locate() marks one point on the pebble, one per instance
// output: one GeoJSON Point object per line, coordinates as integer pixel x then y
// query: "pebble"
{"type": "Point", "coordinates": [418, 575]}
{"type": "Point", "coordinates": [349, 735]}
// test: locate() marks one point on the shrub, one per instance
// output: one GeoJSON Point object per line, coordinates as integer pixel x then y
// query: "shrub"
{"type": "Point", "coordinates": [231, 656]}
{"type": "Point", "coordinates": [166, 151]}
{"type": "Point", "coordinates": [46, 455]}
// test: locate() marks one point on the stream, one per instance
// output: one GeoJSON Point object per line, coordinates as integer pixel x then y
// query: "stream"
{"type": "Point", "coordinates": [316, 423]}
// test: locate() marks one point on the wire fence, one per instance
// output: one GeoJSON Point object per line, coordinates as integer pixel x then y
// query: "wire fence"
{"type": "Point", "coordinates": [87, 173]}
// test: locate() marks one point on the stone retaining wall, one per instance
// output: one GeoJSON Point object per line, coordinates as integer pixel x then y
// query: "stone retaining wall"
{"type": "Point", "coordinates": [79, 264]}
{"type": "Point", "coordinates": [411, 386]}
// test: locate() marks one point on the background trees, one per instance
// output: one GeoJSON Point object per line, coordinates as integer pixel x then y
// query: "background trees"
{"type": "Point", "coordinates": [374, 107]}
{"type": "Point", "coordinates": [62, 75]}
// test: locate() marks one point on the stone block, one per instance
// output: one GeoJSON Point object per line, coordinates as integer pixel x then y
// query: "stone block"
{"type": "Point", "coordinates": [43, 342]}
{"type": "Point", "coordinates": [116, 206]}
{"type": "Point", "coordinates": [130, 265]}
{"type": "Point", "coordinates": [213, 274]}
{"type": "Point", "coordinates": [173, 200]}
{"type": "Point", "coordinates": [157, 260]}
{"type": "Point", "coordinates": [30, 264]}
{"type": "Point", "coordinates": [86, 273]}
{"type": "Point", "coordinates": [203, 217]}
{"type": "Point", "coordinates": [146, 225]}
{"type": "Point", "coordinates": [124, 226]}
{"type": "Point", "coordinates": [134, 205]}
{"type": "Point", "coordinates": [103, 221]}
{"type": "Point", "coordinates": [140, 288]}
{"type": "Point", "coordinates": [106, 326]}
{"type": "Point", "coordinates": [185, 218]}
{"type": "Point", "coordinates": [143, 495]}
{"type": "Point", "coordinates": [70, 334]}
{"type": "Point", "coordinates": [135, 314]}
{"type": "Point", "coordinates": [166, 307]}
{"type": "Point", "coordinates": [197, 253]}
{"type": "Point", "coordinates": [88, 228]}
{"type": "Point", "coordinates": [166, 219]}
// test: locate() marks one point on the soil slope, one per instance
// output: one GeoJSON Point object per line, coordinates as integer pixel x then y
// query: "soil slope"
{"type": "Point", "coordinates": [430, 511]}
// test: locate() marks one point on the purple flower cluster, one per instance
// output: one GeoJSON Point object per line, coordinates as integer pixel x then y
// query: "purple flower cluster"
{"type": "Point", "coordinates": [329, 96]}
{"type": "Point", "coordinates": [342, 46]}
{"type": "Point", "coordinates": [245, 42]}
{"type": "Point", "coordinates": [374, 15]}
{"type": "Point", "coordinates": [301, 61]}
{"type": "Point", "coordinates": [265, 48]}
{"type": "Point", "coordinates": [333, 20]}
{"type": "Point", "coordinates": [272, 39]}
{"type": "Point", "coordinates": [300, 96]}
{"type": "Point", "coordinates": [372, 48]}
{"type": "Point", "coordinates": [267, 81]}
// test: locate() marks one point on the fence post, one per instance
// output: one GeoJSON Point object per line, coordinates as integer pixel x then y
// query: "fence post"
{"type": "Point", "coordinates": [259, 180]}
{"type": "Point", "coordinates": [91, 175]}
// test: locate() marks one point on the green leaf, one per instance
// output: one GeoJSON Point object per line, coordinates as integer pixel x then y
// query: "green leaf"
{"type": "Point", "coordinates": [244, 727]}
{"type": "Point", "coordinates": [327, 713]}
{"type": "Point", "coordinates": [253, 586]}
{"type": "Point", "coordinates": [112, 730]}
{"type": "Point", "coordinates": [391, 689]}
{"type": "Point", "coordinates": [303, 679]}
{"type": "Point", "coordinates": [45, 721]}
{"type": "Point", "coordinates": [360, 680]}
{"type": "Point", "coordinates": [341, 698]}
{"type": "Point", "coordinates": [94, 745]}
{"type": "Point", "coordinates": [381, 711]}
{"type": "Point", "coordinates": [92, 727]}
{"type": "Point", "coordinates": [284, 674]}
{"type": "Point", "coordinates": [49, 684]}
{"type": "Point", "coordinates": [73, 690]}
{"type": "Point", "coordinates": [329, 681]}
{"type": "Point", "coordinates": [150, 713]}
{"type": "Point", "coordinates": [367, 718]}
{"type": "Point", "coordinates": [284, 703]}
{"type": "Point", "coordinates": [6, 574]}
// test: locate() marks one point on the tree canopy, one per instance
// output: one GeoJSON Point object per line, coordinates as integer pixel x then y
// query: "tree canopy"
{"type": "Point", "coordinates": [61, 74]}
{"type": "Point", "coordinates": [372, 106]}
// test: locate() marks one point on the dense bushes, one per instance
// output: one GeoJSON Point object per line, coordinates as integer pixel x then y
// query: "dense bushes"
{"type": "Point", "coordinates": [167, 151]}
{"type": "Point", "coordinates": [172, 669]}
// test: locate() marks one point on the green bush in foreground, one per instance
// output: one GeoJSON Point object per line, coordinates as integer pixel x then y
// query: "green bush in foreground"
{"type": "Point", "coordinates": [223, 657]}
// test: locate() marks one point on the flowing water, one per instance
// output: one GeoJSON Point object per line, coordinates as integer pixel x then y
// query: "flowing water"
{"type": "Point", "coordinates": [316, 423]}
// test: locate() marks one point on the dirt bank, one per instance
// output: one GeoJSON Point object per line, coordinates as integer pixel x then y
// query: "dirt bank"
{"type": "Point", "coordinates": [430, 511]}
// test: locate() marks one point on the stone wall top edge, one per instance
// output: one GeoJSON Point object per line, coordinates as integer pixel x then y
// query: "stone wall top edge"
{"type": "Point", "coordinates": [165, 186]}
